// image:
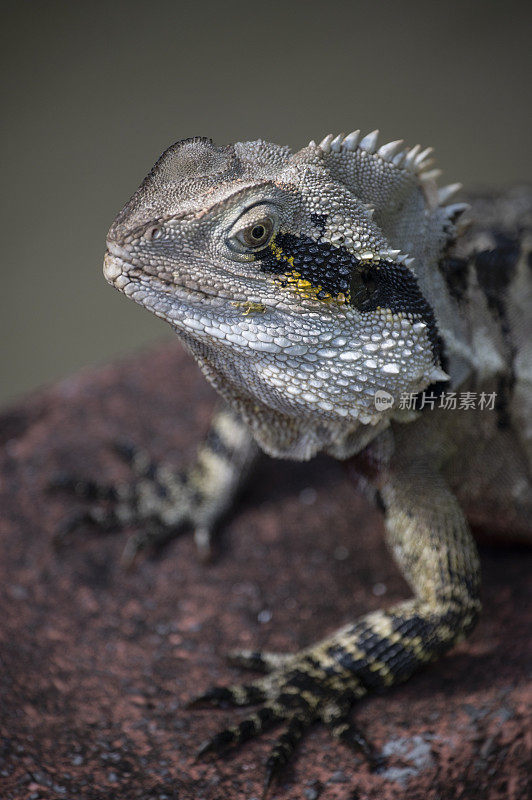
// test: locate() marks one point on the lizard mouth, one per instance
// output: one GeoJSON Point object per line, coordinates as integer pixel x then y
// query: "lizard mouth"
{"type": "Point", "coordinates": [133, 282]}
{"type": "Point", "coordinates": [164, 293]}
{"type": "Point", "coordinates": [193, 311]}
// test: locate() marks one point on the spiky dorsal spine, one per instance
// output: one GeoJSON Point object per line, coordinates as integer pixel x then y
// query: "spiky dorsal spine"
{"type": "Point", "coordinates": [396, 182]}
{"type": "Point", "coordinates": [381, 175]}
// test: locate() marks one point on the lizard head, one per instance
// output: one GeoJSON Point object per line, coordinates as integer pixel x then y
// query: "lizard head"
{"type": "Point", "coordinates": [302, 281]}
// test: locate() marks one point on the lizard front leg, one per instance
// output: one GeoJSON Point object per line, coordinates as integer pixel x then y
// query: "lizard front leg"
{"type": "Point", "coordinates": [160, 500]}
{"type": "Point", "coordinates": [432, 545]}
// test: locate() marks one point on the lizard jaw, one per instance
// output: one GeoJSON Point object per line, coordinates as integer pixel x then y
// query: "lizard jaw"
{"type": "Point", "coordinates": [127, 278]}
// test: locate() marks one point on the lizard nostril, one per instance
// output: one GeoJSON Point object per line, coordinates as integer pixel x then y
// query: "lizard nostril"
{"type": "Point", "coordinates": [152, 233]}
{"type": "Point", "coordinates": [117, 250]}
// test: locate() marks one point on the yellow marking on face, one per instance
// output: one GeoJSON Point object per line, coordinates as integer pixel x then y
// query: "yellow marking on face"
{"type": "Point", "coordinates": [303, 286]}
{"type": "Point", "coordinates": [250, 308]}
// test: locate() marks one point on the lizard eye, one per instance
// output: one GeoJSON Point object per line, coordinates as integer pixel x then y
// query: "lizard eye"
{"type": "Point", "coordinates": [256, 235]}
{"type": "Point", "coordinates": [252, 231]}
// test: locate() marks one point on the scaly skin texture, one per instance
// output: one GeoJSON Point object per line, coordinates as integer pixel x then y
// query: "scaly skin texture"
{"type": "Point", "coordinates": [304, 284]}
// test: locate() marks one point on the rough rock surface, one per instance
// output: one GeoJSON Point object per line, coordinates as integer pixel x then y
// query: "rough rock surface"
{"type": "Point", "coordinates": [96, 665]}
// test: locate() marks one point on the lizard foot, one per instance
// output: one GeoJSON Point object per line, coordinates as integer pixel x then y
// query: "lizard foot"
{"type": "Point", "coordinates": [297, 692]}
{"type": "Point", "coordinates": [159, 500]}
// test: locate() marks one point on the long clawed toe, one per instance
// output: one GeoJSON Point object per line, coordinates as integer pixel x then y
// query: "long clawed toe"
{"type": "Point", "coordinates": [242, 695]}
{"type": "Point", "coordinates": [283, 748]}
{"type": "Point", "coordinates": [293, 693]}
{"type": "Point", "coordinates": [235, 735]}
{"type": "Point", "coordinates": [104, 519]}
{"type": "Point", "coordinates": [253, 725]}
{"type": "Point", "coordinates": [133, 547]}
{"type": "Point", "coordinates": [350, 734]}
{"type": "Point", "coordinates": [84, 488]}
{"type": "Point", "coordinates": [150, 539]}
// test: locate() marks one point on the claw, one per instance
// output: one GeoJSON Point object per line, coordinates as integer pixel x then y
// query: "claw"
{"type": "Point", "coordinates": [154, 536]}
{"type": "Point", "coordinates": [131, 552]}
{"type": "Point", "coordinates": [268, 778]}
{"type": "Point", "coordinates": [202, 750]}
{"type": "Point", "coordinates": [237, 734]}
{"type": "Point", "coordinates": [215, 744]}
{"type": "Point", "coordinates": [351, 735]}
{"type": "Point", "coordinates": [203, 541]}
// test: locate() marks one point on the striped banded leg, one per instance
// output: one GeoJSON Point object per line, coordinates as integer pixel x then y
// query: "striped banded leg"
{"type": "Point", "coordinates": [432, 545]}
{"type": "Point", "coordinates": [222, 464]}
{"type": "Point", "coordinates": [429, 537]}
{"type": "Point", "coordinates": [161, 500]}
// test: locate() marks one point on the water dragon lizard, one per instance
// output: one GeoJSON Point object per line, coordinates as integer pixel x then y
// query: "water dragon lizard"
{"type": "Point", "coordinates": [316, 289]}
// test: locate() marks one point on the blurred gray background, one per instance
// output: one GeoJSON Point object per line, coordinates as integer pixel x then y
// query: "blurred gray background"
{"type": "Point", "coordinates": [93, 92]}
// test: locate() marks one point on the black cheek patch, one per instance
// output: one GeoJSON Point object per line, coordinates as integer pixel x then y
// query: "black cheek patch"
{"type": "Point", "coordinates": [393, 286]}
{"type": "Point", "coordinates": [319, 263]}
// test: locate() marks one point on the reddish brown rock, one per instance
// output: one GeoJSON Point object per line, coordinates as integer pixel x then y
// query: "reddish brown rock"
{"type": "Point", "coordinates": [96, 665]}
